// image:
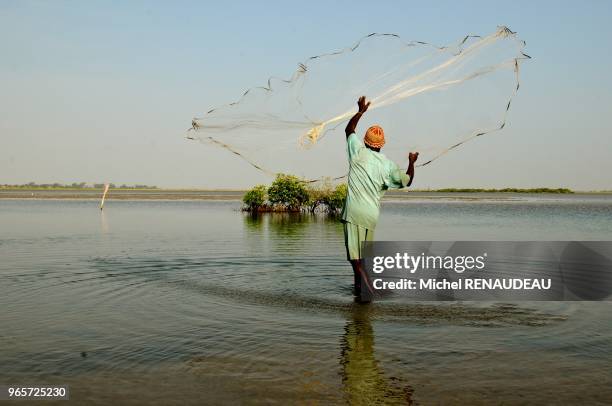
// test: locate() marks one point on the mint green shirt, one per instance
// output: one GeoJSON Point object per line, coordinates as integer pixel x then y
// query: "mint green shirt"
{"type": "Point", "coordinates": [370, 175]}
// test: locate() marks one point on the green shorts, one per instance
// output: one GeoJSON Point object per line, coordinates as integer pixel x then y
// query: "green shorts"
{"type": "Point", "coordinates": [354, 235]}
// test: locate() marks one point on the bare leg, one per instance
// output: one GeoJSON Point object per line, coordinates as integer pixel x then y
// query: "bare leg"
{"type": "Point", "coordinates": [356, 277]}
{"type": "Point", "coordinates": [360, 278]}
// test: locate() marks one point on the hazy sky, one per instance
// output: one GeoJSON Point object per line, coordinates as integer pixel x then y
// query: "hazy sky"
{"type": "Point", "coordinates": [103, 91]}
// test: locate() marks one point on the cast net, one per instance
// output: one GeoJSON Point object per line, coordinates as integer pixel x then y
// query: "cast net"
{"type": "Point", "coordinates": [430, 99]}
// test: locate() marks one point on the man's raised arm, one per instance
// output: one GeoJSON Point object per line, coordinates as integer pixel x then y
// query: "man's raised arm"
{"type": "Point", "coordinates": [352, 124]}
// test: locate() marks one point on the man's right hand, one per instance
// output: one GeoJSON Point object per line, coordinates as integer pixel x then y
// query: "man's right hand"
{"type": "Point", "coordinates": [412, 157]}
{"type": "Point", "coordinates": [363, 106]}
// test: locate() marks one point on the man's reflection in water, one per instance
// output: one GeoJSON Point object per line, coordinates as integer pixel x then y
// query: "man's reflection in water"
{"type": "Point", "coordinates": [363, 380]}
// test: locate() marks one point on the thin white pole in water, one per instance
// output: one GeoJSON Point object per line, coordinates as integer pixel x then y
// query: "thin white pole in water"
{"type": "Point", "coordinates": [104, 195]}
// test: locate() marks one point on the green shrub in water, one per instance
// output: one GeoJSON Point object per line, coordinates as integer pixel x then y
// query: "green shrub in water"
{"type": "Point", "coordinates": [255, 198]}
{"type": "Point", "coordinates": [325, 196]}
{"type": "Point", "coordinates": [288, 192]}
{"type": "Point", "coordinates": [337, 198]}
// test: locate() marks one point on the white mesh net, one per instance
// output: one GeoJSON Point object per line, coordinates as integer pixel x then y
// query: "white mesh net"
{"type": "Point", "coordinates": [427, 98]}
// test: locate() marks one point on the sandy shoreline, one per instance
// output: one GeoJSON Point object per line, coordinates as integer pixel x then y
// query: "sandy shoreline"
{"type": "Point", "coordinates": [236, 195]}
{"type": "Point", "coordinates": [121, 194]}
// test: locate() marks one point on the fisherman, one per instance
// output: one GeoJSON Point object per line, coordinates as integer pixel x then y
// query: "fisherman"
{"type": "Point", "coordinates": [370, 175]}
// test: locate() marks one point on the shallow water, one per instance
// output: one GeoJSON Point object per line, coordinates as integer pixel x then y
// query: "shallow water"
{"type": "Point", "coordinates": [196, 302]}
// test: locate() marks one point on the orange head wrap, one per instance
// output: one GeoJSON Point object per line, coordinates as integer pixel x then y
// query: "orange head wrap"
{"type": "Point", "coordinates": [374, 137]}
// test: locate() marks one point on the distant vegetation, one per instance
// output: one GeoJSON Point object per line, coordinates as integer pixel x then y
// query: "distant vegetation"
{"type": "Point", "coordinates": [287, 193]}
{"type": "Point", "coordinates": [505, 190]}
{"type": "Point", "coordinates": [75, 185]}
{"type": "Point", "coordinates": [290, 194]}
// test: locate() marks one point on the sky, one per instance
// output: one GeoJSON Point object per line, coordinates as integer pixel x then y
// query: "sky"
{"type": "Point", "coordinates": [103, 91]}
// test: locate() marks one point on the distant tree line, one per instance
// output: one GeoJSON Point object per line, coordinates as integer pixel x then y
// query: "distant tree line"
{"type": "Point", "coordinates": [505, 190]}
{"type": "Point", "coordinates": [74, 185]}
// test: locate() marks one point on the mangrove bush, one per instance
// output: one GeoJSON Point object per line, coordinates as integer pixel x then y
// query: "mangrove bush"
{"type": "Point", "coordinates": [290, 194]}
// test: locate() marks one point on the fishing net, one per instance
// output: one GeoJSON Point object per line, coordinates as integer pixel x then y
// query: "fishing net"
{"type": "Point", "coordinates": [430, 99]}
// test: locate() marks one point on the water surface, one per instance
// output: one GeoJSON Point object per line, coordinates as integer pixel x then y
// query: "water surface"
{"type": "Point", "coordinates": [196, 302]}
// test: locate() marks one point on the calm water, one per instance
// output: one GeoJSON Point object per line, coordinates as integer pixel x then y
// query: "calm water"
{"type": "Point", "coordinates": [195, 302]}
